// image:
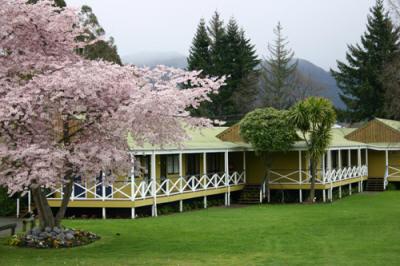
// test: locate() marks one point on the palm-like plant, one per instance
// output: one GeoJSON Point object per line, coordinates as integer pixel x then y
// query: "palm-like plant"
{"type": "Point", "coordinates": [314, 118]}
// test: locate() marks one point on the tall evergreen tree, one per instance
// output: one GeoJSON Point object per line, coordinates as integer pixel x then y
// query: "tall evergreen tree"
{"type": "Point", "coordinates": [361, 79]}
{"type": "Point", "coordinates": [278, 73]}
{"type": "Point", "coordinates": [199, 54]}
{"type": "Point", "coordinates": [231, 54]}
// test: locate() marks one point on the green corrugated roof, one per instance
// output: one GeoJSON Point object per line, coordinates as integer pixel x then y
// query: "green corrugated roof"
{"type": "Point", "coordinates": [203, 139]}
{"type": "Point", "coordinates": [391, 123]}
{"type": "Point", "coordinates": [206, 139]}
{"type": "Point", "coordinates": [338, 139]}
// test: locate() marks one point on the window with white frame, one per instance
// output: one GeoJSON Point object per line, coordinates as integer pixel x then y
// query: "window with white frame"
{"type": "Point", "coordinates": [173, 164]}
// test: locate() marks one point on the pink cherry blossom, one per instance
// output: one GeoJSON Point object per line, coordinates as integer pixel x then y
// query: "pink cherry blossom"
{"type": "Point", "coordinates": [63, 114]}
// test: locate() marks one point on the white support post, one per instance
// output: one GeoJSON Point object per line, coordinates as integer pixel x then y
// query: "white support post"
{"type": "Point", "coordinates": [205, 169]}
{"type": "Point", "coordinates": [103, 187]}
{"type": "Point", "coordinates": [133, 178]}
{"type": "Point", "coordinates": [29, 201]}
{"type": "Point", "coordinates": [340, 159]}
{"type": "Point", "coordinates": [205, 202]}
{"type": "Point", "coordinates": [329, 158]}
{"type": "Point", "coordinates": [180, 165]}
{"type": "Point", "coordinates": [387, 158]}
{"type": "Point", "coordinates": [340, 192]}
{"type": "Point", "coordinates": [227, 194]}
{"type": "Point", "coordinates": [300, 180]}
{"type": "Point", "coordinates": [181, 206]}
{"type": "Point", "coordinates": [323, 195]}
{"type": "Point", "coordinates": [180, 173]}
{"type": "Point", "coordinates": [331, 193]}
{"type": "Point", "coordinates": [244, 166]}
{"type": "Point", "coordinates": [133, 215]}
{"type": "Point", "coordinates": [153, 184]}
{"type": "Point", "coordinates": [350, 189]}
{"type": "Point", "coordinates": [204, 163]}
{"type": "Point", "coordinates": [103, 213]}
{"type": "Point", "coordinates": [18, 208]}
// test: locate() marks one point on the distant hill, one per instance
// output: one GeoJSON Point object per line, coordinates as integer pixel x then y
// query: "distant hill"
{"type": "Point", "coordinates": [173, 59]}
{"type": "Point", "coordinates": [324, 78]}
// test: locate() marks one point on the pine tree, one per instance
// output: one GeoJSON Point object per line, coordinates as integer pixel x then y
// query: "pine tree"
{"type": "Point", "coordinates": [246, 79]}
{"type": "Point", "coordinates": [199, 53]}
{"type": "Point", "coordinates": [278, 73]}
{"type": "Point", "coordinates": [216, 33]}
{"type": "Point", "coordinates": [361, 79]}
{"type": "Point", "coordinates": [225, 50]}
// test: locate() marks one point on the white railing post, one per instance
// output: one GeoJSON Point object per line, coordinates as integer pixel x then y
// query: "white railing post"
{"type": "Point", "coordinates": [143, 189]}
{"type": "Point", "coordinates": [167, 186]}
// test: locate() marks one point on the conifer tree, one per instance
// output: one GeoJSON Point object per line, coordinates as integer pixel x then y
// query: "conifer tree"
{"type": "Point", "coordinates": [231, 54]}
{"type": "Point", "coordinates": [278, 73]}
{"type": "Point", "coordinates": [199, 54]}
{"type": "Point", "coordinates": [361, 78]}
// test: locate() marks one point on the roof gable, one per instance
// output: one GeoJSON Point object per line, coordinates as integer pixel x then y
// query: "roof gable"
{"type": "Point", "coordinates": [377, 131]}
{"type": "Point", "coordinates": [231, 134]}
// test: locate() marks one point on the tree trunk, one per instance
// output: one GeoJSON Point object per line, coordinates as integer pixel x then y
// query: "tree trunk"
{"type": "Point", "coordinates": [67, 189]}
{"type": "Point", "coordinates": [46, 218]}
{"type": "Point", "coordinates": [313, 176]}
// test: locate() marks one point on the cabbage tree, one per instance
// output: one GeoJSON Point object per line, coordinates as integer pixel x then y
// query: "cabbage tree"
{"type": "Point", "coordinates": [314, 118]}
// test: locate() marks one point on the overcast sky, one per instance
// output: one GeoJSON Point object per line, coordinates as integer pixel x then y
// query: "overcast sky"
{"type": "Point", "coordinates": [318, 30]}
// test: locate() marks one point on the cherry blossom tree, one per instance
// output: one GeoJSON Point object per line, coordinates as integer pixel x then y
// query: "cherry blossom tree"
{"type": "Point", "coordinates": [62, 116]}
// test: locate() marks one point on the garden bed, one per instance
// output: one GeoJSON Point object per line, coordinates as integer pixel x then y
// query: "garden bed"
{"type": "Point", "coordinates": [53, 238]}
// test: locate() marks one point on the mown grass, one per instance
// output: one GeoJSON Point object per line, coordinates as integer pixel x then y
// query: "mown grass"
{"type": "Point", "coordinates": [363, 229]}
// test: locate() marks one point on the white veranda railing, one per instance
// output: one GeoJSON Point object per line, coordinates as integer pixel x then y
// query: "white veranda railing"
{"type": "Point", "coordinates": [142, 189]}
{"type": "Point", "coordinates": [391, 171]}
{"type": "Point", "coordinates": [345, 173]}
{"type": "Point", "coordinates": [287, 176]}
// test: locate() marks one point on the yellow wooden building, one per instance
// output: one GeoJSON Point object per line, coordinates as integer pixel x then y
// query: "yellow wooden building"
{"type": "Point", "coordinates": [216, 161]}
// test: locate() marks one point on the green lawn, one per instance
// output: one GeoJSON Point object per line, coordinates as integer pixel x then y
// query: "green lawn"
{"type": "Point", "coordinates": [363, 229]}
